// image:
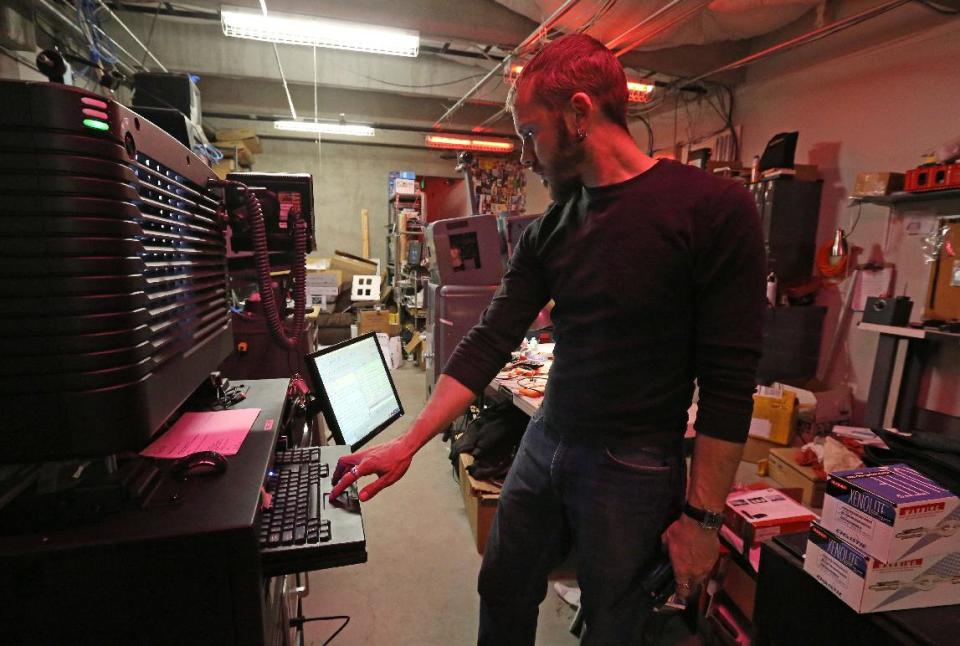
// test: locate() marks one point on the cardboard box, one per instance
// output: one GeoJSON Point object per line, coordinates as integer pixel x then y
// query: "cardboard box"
{"type": "Point", "coordinates": [754, 516]}
{"type": "Point", "coordinates": [224, 166]}
{"type": "Point", "coordinates": [756, 450]}
{"type": "Point", "coordinates": [325, 277]}
{"type": "Point", "coordinates": [774, 415]}
{"type": "Point", "coordinates": [246, 135]}
{"type": "Point", "coordinates": [376, 321]}
{"type": "Point", "coordinates": [351, 267]}
{"type": "Point", "coordinates": [480, 500]}
{"type": "Point", "coordinates": [323, 287]}
{"type": "Point", "coordinates": [874, 184]}
{"type": "Point", "coordinates": [891, 513]}
{"type": "Point", "coordinates": [819, 408]}
{"type": "Point", "coordinates": [867, 584]}
{"type": "Point", "coordinates": [236, 150]}
{"type": "Point", "coordinates": [782, 467]}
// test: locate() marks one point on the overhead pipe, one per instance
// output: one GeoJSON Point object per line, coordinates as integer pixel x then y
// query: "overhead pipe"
{"type": "Point", "coordinates": [803, 39]}
{"type": "Point", "coordinates": [618, 39]}
{"type": "Point", "coordinates": [540, 30]}
{"type": "Point", "coordinates": [119, 47]}
{"type": "Point", "coordinates": [672, 21]}
{"type": "Point", "coordinates": [53, 11]}
{"type": "Point", "coordinates": [132, 35]}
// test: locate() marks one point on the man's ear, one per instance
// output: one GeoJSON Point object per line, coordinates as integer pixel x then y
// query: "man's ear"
{"type": "Point", "coordinates": [582, 107]}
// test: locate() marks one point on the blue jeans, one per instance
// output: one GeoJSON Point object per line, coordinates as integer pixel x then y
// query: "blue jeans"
{"type": "Point", "coordinates": [611, 498]}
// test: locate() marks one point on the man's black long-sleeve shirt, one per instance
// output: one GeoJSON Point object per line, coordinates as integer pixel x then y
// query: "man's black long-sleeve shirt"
{"type": "Point", "coordinates": [657, 281]}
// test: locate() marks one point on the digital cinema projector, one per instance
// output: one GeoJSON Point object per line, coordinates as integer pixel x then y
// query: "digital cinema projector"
{"type": "Point", "coordinates": [113, 276]}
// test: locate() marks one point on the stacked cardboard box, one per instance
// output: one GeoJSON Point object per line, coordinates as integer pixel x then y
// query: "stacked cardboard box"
{"type": "Point", "coordinates": [753, 516]}
{"type": "Point", "coordinates": [888, 540]}
{"type": "Point", "coordinates": [784, 469]}
{"type": "Point", "coordinates": [323, 286]}
{"type": "Point", "coordinates": [480, 500]}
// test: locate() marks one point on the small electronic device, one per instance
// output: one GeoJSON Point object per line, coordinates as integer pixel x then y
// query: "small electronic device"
{"type": "Point", "coordinates": [888, 311]}
{"type": "Point", "coordinates": [167, 90]}
{"type": "Point", "coordinates": [658, 581]}
{"type": "Point", "coordinates": [414, 248]}
{"type": "Point", "coordinates": [780, 151]}
{"type": "Point", "coordinates": [355, 389]}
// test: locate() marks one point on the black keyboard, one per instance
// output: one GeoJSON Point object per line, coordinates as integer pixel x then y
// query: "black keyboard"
{"type": "Point", "coordinates": [302, 530]}
{"type": "Point", "coordinates": [298, 456]}
{"type": "Point", "coordinates": [294, 517]}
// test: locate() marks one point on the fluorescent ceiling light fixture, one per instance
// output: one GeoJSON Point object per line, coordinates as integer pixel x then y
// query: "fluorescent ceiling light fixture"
{"type": "Point", "coordinates": [456, 142]}
{"type": "Point", "coordinates": [639, 92]}
{"type": "Point", "coordinates": [326, 128]}
{"type": "Point", "coordinates": [293, 29]}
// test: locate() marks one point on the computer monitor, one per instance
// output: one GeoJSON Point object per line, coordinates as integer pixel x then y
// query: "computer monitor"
{"type": "Point", "coordinates": [355, 389]}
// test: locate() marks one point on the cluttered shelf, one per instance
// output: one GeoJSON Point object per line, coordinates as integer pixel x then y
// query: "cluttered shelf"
{"type": "Point", "coordinates": [902, 197]}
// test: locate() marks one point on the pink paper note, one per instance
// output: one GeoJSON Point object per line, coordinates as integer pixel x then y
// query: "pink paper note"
{"type": "Point", "coordinates": [222, 431]}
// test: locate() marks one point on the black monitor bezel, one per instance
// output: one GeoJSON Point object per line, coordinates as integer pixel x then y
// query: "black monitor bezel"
{"type": "Point", "coordinates": [321, 393]}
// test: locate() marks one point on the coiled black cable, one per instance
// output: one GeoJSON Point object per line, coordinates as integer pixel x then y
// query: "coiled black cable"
{"type": "Point", "coordinates": [261, 258]}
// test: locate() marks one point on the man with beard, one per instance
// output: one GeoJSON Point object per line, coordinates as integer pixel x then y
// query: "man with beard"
{"type": "Point", "coordinates": [657, 273]}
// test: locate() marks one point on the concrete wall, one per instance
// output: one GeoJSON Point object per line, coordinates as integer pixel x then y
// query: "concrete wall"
{"type": "Point", "coordinates": [859, 109]}
{"type": "Point", "coordinates": [348, 178]}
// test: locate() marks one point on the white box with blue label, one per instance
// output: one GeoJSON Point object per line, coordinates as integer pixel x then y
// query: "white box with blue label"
{"type": "Point", "coordinates": [867, 584]}
{"type": "Point", "coordinates": [891, 512]}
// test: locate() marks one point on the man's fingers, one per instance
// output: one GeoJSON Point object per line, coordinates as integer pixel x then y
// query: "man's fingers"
{"type": "Point", "coordinates": [376, 486]}
{"type": "Point", "coordinates": [344, 465]}
{"type": "Point", "coordinates": [349, 475]}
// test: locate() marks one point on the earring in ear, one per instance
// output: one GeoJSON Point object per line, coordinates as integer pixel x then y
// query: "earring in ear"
{"type": "Point", "coordinates": [581, 135]}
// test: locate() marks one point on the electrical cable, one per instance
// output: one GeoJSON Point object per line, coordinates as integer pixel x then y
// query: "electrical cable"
{"type": "Point", "coordinates": [271, 309]}
{"type": "Point", "coordinates": [298, 622]}
{"type": "Point", "coordinates": [153, 24]}
{"type": "Point", "coordinates": [426, 85]}
{"type": "Point", "coordinates": [649, 128]}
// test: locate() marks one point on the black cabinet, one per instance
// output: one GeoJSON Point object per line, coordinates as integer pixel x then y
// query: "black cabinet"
{"type": "Point", "coordinates": [789, 212]}
{"type": "Point", "coordinates": [791, 343]}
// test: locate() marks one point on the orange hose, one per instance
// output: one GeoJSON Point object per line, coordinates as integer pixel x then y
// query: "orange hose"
{"type": "Point", "coordinates": [825, 267]}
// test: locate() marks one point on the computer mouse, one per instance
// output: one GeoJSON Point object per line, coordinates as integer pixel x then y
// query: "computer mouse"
{"type": "Point", "coordinates": [201, 463]}
{"type": "Point", "coordinates": [349, 499]}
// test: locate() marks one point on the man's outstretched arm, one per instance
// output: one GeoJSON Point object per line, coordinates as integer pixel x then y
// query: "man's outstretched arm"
{"type": "Point", "coordinates": [389, 461]}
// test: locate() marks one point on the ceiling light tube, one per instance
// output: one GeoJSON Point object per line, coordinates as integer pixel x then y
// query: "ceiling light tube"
{"type": "Point", "coordinates": [455, 142]}
{"type": "Point", "coordinates": [326, 128]}
{"type": "Point", "coordinates": [291, 29]}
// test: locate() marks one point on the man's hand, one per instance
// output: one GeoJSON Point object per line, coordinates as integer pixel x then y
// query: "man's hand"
{"type": "Point", "coordinates": [693, 551]}
{"type": "Point", "coordinates": [389, 461]}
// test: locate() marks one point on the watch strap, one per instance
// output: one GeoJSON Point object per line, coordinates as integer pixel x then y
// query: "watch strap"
{"type": "Point", "coordinates": [711, 520]}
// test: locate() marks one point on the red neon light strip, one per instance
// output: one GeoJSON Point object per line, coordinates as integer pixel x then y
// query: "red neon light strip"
{"type": "Point", "coordinates": [468, 143]}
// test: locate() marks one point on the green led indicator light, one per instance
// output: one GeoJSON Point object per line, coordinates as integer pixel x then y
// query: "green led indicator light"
{"type": "Point", "coordinates": [96, 124]}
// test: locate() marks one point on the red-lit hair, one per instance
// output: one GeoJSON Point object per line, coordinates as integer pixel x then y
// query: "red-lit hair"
{"type": "Point", "coordinates": [571, 64]}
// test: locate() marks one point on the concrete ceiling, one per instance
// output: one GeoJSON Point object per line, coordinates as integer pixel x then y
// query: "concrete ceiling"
{"type": "Point", "coordinates": [460, 42]}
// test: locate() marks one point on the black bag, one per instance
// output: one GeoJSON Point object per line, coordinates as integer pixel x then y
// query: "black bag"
{"type": "Point", "coordinates": [492, 439]}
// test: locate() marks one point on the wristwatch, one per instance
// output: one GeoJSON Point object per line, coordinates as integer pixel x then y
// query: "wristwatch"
{"type": "Point", "coordinates": [710, 520]}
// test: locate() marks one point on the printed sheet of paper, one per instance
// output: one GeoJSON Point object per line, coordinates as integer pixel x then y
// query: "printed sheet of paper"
{"type": "Point", "coordinates": [222, 431]}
